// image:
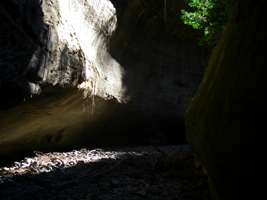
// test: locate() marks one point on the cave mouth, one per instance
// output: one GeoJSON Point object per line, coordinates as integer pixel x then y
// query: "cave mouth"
{"type": "Point", "coordinates": [162, 65]}
{"type": "Point", "coordinates": [102, 124]}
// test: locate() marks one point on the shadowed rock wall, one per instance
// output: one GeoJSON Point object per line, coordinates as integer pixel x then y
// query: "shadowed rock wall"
{"type": "Point", "coordinates": [225, 117]}
{"type": "Point", "coordinates": [162, 60]}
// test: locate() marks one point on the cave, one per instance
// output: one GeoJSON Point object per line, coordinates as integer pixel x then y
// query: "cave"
{"type": "Point", "coordinates": [128, 99]}
{"type": "Point", "coordinates": [155, 68]}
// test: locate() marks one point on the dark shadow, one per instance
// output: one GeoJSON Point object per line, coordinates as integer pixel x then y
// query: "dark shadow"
{"type": "Point", "coordinates": [163, 62]}
{"type": "Point", "coordinates": [149, 175]}
{"type": "Point", "coordinates": [22, 35]}
{"type": "Point", "coordinates": [111, 124]}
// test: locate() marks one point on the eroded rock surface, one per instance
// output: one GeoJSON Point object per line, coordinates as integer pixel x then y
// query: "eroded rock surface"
{"type": "Point", "coordinates": [59, 42]}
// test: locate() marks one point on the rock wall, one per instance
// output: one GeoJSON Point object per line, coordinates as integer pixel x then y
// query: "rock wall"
{"type": "Point", "coordinates": [224, 118]}
{"type": "Point", "coordinates": [162, 59]}
{"type": "Point", "coordinates": [59, 42]}
{"type": "Point", "coordinates": [67, 43]}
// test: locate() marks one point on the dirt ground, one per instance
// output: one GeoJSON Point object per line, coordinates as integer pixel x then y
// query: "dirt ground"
{"type": "Point", "coordinates": [166, 172]}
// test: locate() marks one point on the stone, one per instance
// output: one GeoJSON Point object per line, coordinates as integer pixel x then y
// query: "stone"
{"type": "Point", "coordinates": [64, 42]}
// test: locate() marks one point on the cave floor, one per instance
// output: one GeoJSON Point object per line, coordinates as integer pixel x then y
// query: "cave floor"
{"type": "Point", "coordinates": [164, 172]}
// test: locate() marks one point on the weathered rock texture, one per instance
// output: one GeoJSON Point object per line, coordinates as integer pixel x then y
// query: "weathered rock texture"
{"type": "Point", "coordinates": [224, 117]}
{"type": "Point", "coordinates": [59, 42]}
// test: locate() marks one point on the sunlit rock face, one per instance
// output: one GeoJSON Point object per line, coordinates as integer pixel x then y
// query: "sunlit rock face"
{"type": "Point", "coordinates": [84, 27]}
{"type": "Point", "coordinates": [67, 42]}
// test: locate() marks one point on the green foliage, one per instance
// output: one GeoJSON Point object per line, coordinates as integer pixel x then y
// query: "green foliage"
{"type": "Point", "coordinates": [209, 16]}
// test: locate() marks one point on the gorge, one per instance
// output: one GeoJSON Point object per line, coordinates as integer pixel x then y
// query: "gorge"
{"type": "Point", "coordinates": [117, 99]}
{"type": "Point", "coordinates": [99, 74]}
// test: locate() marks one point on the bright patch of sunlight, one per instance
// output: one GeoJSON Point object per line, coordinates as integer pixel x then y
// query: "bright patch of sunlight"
{"type": "Point", "coordinates": [88, 25]}
{"type": "Point", "coordinates": [48, 162]}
